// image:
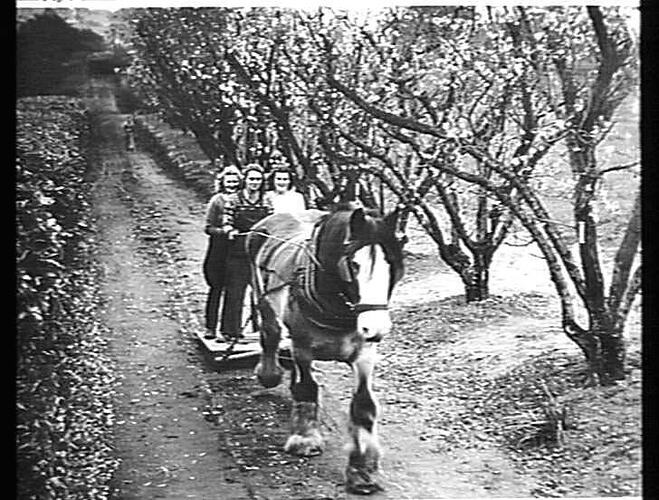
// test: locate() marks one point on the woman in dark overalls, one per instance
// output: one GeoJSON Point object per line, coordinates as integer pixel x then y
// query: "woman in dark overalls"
{"type": "Point", "coordinates": [227, 182]}
{"type": "Point", "coordinates": [241, 211]}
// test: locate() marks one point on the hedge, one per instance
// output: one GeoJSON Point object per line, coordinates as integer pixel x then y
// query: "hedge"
{"type": "Point", "coordinates": [64, 381]}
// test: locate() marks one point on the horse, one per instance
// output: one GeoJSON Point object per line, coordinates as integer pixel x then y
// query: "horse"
{"type": "Point", "coordinates": [326, 278]}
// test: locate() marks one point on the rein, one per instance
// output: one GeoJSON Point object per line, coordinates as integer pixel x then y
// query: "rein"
{"type": "Point", "coordinates": [304, 247]}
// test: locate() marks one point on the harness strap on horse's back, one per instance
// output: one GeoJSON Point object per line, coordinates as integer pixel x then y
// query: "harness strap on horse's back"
{"type": "Point", "coordinates": [269, 255]}
{"type": "Point", "coordinates": [307, 297]}
{"type": "Point", "coordinates": [303, 284]}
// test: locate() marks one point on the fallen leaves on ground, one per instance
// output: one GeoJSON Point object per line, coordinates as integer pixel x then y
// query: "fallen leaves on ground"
{"type": "Point", "coordinates": [492, 394]}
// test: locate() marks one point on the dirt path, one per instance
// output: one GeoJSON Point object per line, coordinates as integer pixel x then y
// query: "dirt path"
{"type": "Point", "coordinates": [187, 431]}
{"type": "Point", "coordinates": [167, 451]}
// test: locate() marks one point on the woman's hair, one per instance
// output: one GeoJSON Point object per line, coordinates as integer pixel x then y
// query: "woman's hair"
{"type": "Point", "coordinates": [228, 170]}
{"type": "Point", "coordinates": [254, 167]}
{"type": "Point", "coordinates": [281, 169]}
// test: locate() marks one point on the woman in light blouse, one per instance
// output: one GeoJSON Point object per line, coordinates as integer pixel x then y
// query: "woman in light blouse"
{"type": "Point", "coordinates": [283, 197]}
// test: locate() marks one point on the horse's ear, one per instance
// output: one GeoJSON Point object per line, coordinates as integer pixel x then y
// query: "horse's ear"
{"type": "Point", "coordinates": [391, 221]}
{"type": "Point", "coordinates": [358, 223]}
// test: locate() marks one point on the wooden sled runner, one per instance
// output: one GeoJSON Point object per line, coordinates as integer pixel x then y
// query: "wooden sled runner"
{"type": "Point", "coordinates": [249, 348]}
{"type": "Point", "coordinates": [229, 354]}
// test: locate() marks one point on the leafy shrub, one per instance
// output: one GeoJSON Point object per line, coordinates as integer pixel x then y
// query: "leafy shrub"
{"type": "Point", "coordinates": [64, 382]}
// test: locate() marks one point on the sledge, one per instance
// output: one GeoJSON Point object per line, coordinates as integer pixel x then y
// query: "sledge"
{"type": "Point", "coordinates": [247, 349]}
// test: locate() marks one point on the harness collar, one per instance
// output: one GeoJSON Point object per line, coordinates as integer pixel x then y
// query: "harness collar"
{"type": "Point", "coordinates": [318, 311]}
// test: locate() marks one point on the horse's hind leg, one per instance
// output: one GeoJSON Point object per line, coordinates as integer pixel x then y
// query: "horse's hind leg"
{"type": "Point", "coordinates": [305, 438]}
{"type": "Point", "coordinates": [268, 370]}
{"type": "Point", "coordinates": [364, 448]}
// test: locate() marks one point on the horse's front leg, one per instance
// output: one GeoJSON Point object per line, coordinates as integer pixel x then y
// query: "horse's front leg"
{"type": "Point", "coordinates": [364, 455]}
{"type": "Point", "coordinates": [268, 370]}
{"type": "Point", "coordinates": [305, 439]}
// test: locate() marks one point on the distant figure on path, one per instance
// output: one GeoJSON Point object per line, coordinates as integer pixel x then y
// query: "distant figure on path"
{"type": "Point", "coordinates": [129, 131]}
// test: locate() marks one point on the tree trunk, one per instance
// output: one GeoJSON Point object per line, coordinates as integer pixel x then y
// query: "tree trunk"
{"type": "Point", "coordinates": [603, 346]}
{"type": "Point", "coordinates": [475, 292]}
{"type": "Point", "coordinates": [205, 139]}
{"type": "Point", "coordinates": [225, 142]}
{"type": "Point", "coordinates": [613, 356]}
{"type": "Point", "coordinates": [611, 352]}
{"type": "Point", "coordinates": [476, 279]}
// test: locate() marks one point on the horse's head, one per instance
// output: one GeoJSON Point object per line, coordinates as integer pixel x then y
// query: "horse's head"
{"type": "Point", "coordinates": [364, 252]}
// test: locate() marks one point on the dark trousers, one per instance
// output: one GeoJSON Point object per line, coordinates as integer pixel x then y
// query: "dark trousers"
{"type": "Point", "coordinates": [212, 307]}
{"type": "Point", "coordinates": [214, 273]}
{"type": "Point", "coordinates": [237, 276]}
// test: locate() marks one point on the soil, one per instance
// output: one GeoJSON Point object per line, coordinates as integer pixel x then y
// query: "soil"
{"type": "Point", "coordinates": [186, 429]}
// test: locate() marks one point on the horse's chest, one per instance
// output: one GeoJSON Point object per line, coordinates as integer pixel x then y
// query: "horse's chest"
{"type": "Point", "coordinates": [325, 342]}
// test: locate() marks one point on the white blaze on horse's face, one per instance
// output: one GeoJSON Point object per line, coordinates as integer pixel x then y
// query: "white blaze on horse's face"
{"type": "Point", "coordinates": [372, 275]}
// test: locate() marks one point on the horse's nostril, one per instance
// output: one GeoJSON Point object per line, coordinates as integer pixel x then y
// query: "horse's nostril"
{"type": "Point", "coordinates": [370, 338]}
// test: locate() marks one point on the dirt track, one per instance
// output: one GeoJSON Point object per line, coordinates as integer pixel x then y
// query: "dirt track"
{"type": "Point", "coordinates": [185, 430]}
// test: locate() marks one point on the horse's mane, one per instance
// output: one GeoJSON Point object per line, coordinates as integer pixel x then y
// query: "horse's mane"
{"type": "Point", "coordinates": [349, 206]}
{"type": "Point", "coordinates": [332, 227]}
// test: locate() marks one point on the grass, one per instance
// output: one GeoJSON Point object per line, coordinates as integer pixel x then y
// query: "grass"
{"type": "Point", "coordinates": [601, 453]}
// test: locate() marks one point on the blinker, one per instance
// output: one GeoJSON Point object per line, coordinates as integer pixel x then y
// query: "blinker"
{"type": "Point", "coordinates": [343, 269]}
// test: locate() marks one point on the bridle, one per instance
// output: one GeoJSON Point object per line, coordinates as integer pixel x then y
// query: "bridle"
{"type": "Point", "coordinates": [341, 314]}
{"type": "Point", "coordinates": [346, 274]}
{"type": "Point", "coordinates": [360, 308]}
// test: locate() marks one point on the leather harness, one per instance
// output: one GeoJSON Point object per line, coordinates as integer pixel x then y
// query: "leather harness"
{"type": "Point", "coordinates": [341, 316]}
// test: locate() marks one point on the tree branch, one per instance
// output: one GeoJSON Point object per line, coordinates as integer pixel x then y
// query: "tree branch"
{"type": "Point", "coordinates": [628, 299]}
{"type": "Point", "coordinates": [625, 257]}
{"type": "Point", "coordinates": [280, 117]}
{"type": "Point", "coordinates": [609, 63]}
{"type": "Point", "coordinates": [619, 167]}
{"type": "Point", "coordinates": [406, 123]}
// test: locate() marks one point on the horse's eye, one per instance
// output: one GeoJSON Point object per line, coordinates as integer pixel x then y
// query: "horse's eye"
{"type": "Point", "coordinates": [354, 266]}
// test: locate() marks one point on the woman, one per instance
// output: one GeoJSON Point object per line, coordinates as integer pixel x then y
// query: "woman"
{"type": "Point", "coordinates": [283, 197]}
{"type": "Point", "coordinates": [227, 182]}
{"type": "Point", "coordinates": [129, 131]}
{"type": "Point", "coordinates": [241, 211]}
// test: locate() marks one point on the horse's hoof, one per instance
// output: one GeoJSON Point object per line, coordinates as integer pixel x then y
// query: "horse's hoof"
{"type": "Point", "coordinates": [268, 378]}
{"type": "Point", "coordinates": [304, 446]}
{"type": "Point", "coordinates": [359, 482]}
{"type": "Point", "coordinates": [364, 489]}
